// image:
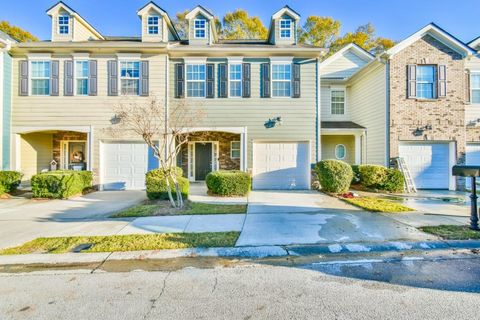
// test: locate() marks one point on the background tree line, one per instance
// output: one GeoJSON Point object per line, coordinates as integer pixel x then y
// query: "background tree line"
{"type": "Point", "coordinates": [318, 31]}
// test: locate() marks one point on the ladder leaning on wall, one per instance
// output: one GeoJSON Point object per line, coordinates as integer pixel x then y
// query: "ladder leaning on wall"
{"type": "Point", "coordinates": [402, 166]}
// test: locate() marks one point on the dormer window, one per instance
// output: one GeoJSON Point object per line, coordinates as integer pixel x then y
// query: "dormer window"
{"type": "Point", "coordinates": [200, 28]}
{"type": "Point", "coordinates": [285, 28]}
{"type": "Point", "coordinates": [63, 24]}
{"type": "Point", "coordinates": [153, 24]}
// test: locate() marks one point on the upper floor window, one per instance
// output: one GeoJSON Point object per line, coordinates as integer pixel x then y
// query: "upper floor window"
{"type": "Point", "coordinates": [196, 80]}
{"type": "Point", "coordinates": [81, 78]}
{"type": "Point", "coordinates": [200, 28]}
{"type": "Point", "coordinates": [475, 87]}
{"type": "Point", "coordinates": [153, 25]}
{"type": "Point", "coordinates": [235, 76]}
{"type": "Point", "coordinates": [63, 24]}
{"type": "Point", "coordinates": [337, 101]}
{"type": "Point", "coordinates": [40, 77]}
{"type": "Point", "coordinates": [281, 80]}
{"type": "Point", "coordinates": [285, 28]}
{"type": "Point", "coordinates": [130, 77]}
{"type": "Point", "coordinates": [426, 82]}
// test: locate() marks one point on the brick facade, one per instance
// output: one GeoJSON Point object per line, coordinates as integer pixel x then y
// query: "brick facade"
{"type": "Point", "coordinates": [224, 139]}
{"type": "Point", "coordinates": [446, 116]}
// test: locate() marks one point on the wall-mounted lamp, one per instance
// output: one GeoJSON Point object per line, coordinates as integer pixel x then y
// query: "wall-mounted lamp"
{"type": "Point", "coordinates": [115, 119]}
{"type": "Point", "coordinates": [271, 123]}
{"type": "Point", "coordinates": [420, 130]}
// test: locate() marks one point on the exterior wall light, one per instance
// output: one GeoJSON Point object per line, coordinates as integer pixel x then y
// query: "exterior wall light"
{"type": "Point", "coordinates": [271, 123]}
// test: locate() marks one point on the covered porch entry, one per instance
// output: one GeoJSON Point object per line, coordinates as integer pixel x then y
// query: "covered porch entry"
{"type": "Point", "coordinates": [343, 140]}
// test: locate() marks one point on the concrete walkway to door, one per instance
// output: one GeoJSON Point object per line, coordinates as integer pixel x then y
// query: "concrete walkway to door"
{"type": "Point", "coordinates": [311, 217]}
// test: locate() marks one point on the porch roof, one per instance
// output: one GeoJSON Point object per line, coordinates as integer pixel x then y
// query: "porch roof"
{"type": "Point", "coordinates": [340, 125]}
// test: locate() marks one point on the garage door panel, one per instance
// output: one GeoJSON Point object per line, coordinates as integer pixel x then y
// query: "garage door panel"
{"type": "Point", "coordinates": [281, 166]}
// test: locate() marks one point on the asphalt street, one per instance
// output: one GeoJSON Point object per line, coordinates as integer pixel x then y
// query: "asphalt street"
{"type": "Point", "coordinates": [427, 285]}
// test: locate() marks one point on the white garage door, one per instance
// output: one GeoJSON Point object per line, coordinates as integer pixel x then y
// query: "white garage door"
{"type": "Point", "coordinates": [472, 157]}
{"type": "Point", "coordinates": [281, 166]}
{"type": "Point", "coordinates": [124, 165]}
{"type": "Point", "coordinates": [428, 164]}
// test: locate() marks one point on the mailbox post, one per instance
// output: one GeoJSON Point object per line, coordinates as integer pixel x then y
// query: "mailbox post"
{"type": "Point", "coordinates": [472, 172]}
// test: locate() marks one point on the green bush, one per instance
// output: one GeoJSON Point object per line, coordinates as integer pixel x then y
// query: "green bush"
{"type": "Point", "coordinates": [229, 182]}
{"type": "Point", "coordinates": [9, 181]}
{"type": "Point", "coordinates": [60, 184]}
{"type": "Point", "coordinates": [373, 176]}
{"type": "Point", "coordinates": [356, 174]}
{"type": "Point", "coordinates": [394, 182]}
{"type": "Point", "coordinates": [334, 175]}
{"type": "Point", "coordinates": [157, 185]}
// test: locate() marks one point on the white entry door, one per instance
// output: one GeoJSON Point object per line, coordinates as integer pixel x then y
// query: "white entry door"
{"type": "Point", "coordinates": [428, 163]}
{"type": "Point", "coordinates": [124, 165]}
{"type": "Point", "coordinates": [281, 165]}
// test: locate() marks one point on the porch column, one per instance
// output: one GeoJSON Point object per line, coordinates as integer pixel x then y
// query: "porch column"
{"type": "Point", "coordinates": [243, 151]}
{"type": "Point", "coordinates": [90, 147]}
{"type": "Point", "coordinates": [15, 153]}
{"type": "Point", "coordinates": [358, 148]}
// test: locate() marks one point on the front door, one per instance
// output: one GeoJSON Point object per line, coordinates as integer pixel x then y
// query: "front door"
{"type": "Point", "coordinates": [203, 160]}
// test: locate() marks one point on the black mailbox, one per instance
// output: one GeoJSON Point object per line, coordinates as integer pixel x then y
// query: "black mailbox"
{"type": "Point", "coordinates": [466, 171]}
{"type": "Point", "coordinates": [473, 172]}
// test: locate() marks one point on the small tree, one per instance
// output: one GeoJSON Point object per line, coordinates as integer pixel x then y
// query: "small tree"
{"type": "Point", "coordinates": [165, 129]}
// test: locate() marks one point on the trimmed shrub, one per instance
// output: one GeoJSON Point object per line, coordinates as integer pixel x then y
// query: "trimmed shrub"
{"type": "Point", "coordinates": [9, 181]}
{"type": "Point", "coordinates": [373, 176]}
{"type": "Point", "coordinates": [157, 185]}
{"type": "Point", "coordinates": [334, 175]}
{"type": "Point", "coordinates": [395, 181]}
{"type": "Point", "coordinates": [229, 182]}
{"type": "Point", "coordinates": [356, 174]}
{"type": "Point", "coordinates": [60, 184]}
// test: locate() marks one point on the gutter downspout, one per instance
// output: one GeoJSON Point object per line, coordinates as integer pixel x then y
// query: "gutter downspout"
{"type": "Point", "coordinates": [167, 85]}
{"type": "Point", "coordinates": [387, 95]}
{"type": "Point", "coordinates": [317, 118]}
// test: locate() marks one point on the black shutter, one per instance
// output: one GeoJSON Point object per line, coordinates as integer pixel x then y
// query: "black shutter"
{"type": "Point", "coordinates": [223, 81]}
{"type": "Point", "coordinates": [92, 78]}
{"type": "Point", "coordinates": [54, 78]}
{"type": "Point", "coordinates": [179, 80]}
{"type": "Point", "coordinates": [68, 81]}
{"type": "Point", "coordinates": [296, 80]}
{"type": "Point", "coordinates": [246, 71]}
{"type": "Point", "coordinates": [112, 78]}
{"type": "Point", "coordinates": [23, 78]}
{"type": "Point", "coordinates": [144, 86]}
{"type": "Point", "coordinates": [411, 81]}
{"type": "Point", "coordinates": [266, 80]}
{"type": "Point", "coordinates": [210, 81]}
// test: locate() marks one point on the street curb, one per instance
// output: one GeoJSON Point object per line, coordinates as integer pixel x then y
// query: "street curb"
{"type": "Point", "coordinates": [259, 252]}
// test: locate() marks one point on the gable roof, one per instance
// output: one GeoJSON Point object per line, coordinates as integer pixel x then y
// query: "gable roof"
{"type": "Point", "coordinates": [75, 14]}
{"type": "Point", "coordinates": [199, 9]}
{"type": "Point", "coordinates": [475, 43]}
{"type": "Point", "coordinates": [359, 51]}
{"type": "Point", "coordinates": [439, 34]}
{"type": "Point", "coordinates": [164, 13]}
{"type": "Point", "coordinates": [286, 9]}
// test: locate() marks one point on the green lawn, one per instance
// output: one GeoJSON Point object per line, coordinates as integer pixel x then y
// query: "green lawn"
{"type": "Point", "coordinates": [377, 205]}
{"type": "Point", "coordinates": [450, 232]}
{"type": "Point", "coordinates": [163, 208]}
{"type": "Point", "coordinates": [127, 242]}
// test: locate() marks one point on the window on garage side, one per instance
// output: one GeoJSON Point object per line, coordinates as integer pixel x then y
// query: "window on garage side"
{"type": "Point", "coordinates": [337, 97]}
{"type": "Point", "coordinates": [235, 149]}
{"type": "Point", "coordinates": [475, 87]}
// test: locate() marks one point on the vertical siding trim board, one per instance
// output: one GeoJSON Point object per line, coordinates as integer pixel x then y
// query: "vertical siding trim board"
{"type": "Point", "coordinates": [54, 78]}
{"type": "Point", "coordinates": [23, 66]}
{"type": "Point", "coordinates": [7, 111]}
{"type": "Point", "coordinates": [210, 94]}
{"type": "Point", "coordinates": [112, 78]}
{"type": "Point", "coordinates": [92, 78]}
{"type": "Point", "coordinates": [144, 86]}
{"type": "Point", "coordinates": [68, 81]}
{"type": "Point", "coordinates": [387, 118]}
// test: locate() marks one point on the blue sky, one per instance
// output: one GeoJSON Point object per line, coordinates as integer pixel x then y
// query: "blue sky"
{"type": "Point", "coordinates": [394, 19]}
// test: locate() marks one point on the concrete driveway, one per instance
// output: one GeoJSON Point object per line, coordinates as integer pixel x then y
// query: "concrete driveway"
{"type": "Point", "coordinates": [23, 220]}
{"type": "Point", "coordinates": [310, 217]}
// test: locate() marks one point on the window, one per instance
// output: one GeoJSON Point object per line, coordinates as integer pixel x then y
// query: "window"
{"type": "Point", "coordinates": [235, 75]}
{"type": "Point", "coordinates": [81, 77]}
{"type": "Point", "coordinates": [153, 25]}
{"type": "Point", "coordinates": [337, 101]}
{"type": "Point", "coordinates": [196, 80]}
{"type": "Point", "coordinates": [475, 87]}
{"type": "Point", "coordinates": [281, 80]}
{"type": "Point", "coordinates": [130, 77]}
{"type": "Point", "coordinates": [426, 82]}
{"type": "Point", "coordinates": [40, 78]}
{"type": "Point", "coordinates": [235, 149]}
{"type": "Point", "coordinates": [63, 24]}
{"type": "Point", "coordinates": [285, 28]}
{"type": "Point", "coordinates": [340, 151]}
{"type": "Point", "coordinates": [200, 28]}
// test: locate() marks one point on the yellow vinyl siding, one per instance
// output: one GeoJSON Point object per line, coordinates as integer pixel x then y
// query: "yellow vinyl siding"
{"type": "Point", "coordinates": [325, 103]}
{"type": "Point", "coordinates": [36, 153]}
{"type": "Point", "coordinates": [343, 67]}
{"type": "Point", "coordinates": [330, 142]}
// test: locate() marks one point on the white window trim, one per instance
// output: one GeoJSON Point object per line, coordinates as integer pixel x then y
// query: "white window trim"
{"type": "Point", "coordinates": [435, 82]}
{"type": "Point", "coordinates": [191, 63]}
{"type": "Point", "coordinates": [153, 25]}
{"type": "Point", "coordinates": [75, 77]}
{"type": "Point", "coordinates": [344, 154]}
{"type": "Point", "coordinates": [63, 25]}
{"type": "Point", "coordinates": [281, 62]}
{"type": "Point", "coordinates": [239, 150]}
{"type": "Point", "coordinates": [229, 80]}
{"type": "Point", "coordinates": [344, 89]}
{"type": "Point", "coordinates": [473, 72]}
{"type": "Point", "coordinates": [38, 58]}
{"type": "Point", "coordinates": [281, 29]}
{"type": "Point", "coordinates": [129, 58]}
{"type": "Point", "coordinates": [195, 28]}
